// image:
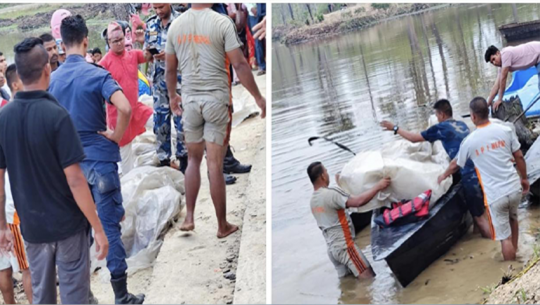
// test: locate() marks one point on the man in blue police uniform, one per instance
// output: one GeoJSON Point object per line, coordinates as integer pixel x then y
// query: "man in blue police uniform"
{"type": "Point", "coordinates": [155, 36]}
{"type": "Point", "coordinates": [451, 133]}
{"type": "Point", "coordinates": [82, 89]}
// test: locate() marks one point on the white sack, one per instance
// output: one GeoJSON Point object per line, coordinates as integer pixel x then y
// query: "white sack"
{"type": "Point", "coordinates": [413, 168]}
{"type": "Point", "coordinates": [152, 199]}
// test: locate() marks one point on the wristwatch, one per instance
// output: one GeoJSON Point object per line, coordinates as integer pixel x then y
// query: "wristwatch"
{"type": "Point", "coordinates": [396, 128]}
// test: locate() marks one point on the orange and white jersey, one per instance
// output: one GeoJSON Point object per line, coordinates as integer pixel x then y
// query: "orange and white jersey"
{"type": "Point", "coordinates": [491, 147]}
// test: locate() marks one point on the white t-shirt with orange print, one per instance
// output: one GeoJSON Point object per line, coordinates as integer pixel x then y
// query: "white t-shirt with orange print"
{"type": "Point", "coordinates": [491, 147]}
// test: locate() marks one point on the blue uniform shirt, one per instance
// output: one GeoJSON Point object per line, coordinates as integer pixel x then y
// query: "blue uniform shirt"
{"type": "Point", "coordinates": [451, 133]}
{"type": "Point", "coordinates": [156, 36]}
{"type": "Point", "coordinates": [82, 88]}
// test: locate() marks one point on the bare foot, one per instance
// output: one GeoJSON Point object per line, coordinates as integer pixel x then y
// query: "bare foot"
{"type": "Point", "coordinates": [187, 226]}
{"type": "Point", "coordinates": [230, 230]}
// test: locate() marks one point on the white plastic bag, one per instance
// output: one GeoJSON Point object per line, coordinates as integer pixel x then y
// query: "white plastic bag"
{"type": "Point", "coordinates": [152, 199]}
{"type": "Point", "coordinates": [244, 106]}
{"type": "Point", "coordinates": [532, 160]}
{"type": "Point", "coordinates": [413, 168]}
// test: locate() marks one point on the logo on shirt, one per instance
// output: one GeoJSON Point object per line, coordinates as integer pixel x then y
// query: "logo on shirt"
{"type": "Point", "coordinates": [198, 39]}
{"type": "Point", "coordinates": [318, 210]}
{"type": "Point", "coordinates": [490, 147]}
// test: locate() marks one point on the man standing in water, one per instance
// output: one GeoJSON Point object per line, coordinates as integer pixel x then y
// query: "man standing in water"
{"type": "Point", "coordinates": [328, 207]}
{"type": "Point", "coordinates": [511, 59]}
{"type": "Point", "coordinates": [492, 148]}
{"type": "Point", "coordinates": [82, 89]}
{"type": "Point", "coordinates": [200, 44]}
{"type": "Point", "coordinates": [451, 133]}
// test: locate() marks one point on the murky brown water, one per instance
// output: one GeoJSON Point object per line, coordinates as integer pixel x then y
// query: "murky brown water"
{"type": "Point", "coordinates": [343, 87]}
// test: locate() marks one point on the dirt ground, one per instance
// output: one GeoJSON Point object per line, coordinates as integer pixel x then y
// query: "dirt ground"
{"type": "Point", "coordinates": [351, 18]}
{"type": "Point", "coordinates": [524, 289]}
{"type": "Point", "coordinates": [198, 267]}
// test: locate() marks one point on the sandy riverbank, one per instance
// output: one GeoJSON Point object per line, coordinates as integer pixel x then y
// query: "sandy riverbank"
{"type": "Point", "coordinates": [198, 267]}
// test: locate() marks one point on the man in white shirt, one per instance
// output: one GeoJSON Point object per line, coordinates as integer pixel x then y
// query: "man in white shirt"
{"type": "Point", "coordinates": [493, 148]}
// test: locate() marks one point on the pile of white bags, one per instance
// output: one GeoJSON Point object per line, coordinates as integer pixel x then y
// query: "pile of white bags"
{"type": "Point", "coordinates": [413, 168]}
{"type": "Point", "coordinates": [152, 201]}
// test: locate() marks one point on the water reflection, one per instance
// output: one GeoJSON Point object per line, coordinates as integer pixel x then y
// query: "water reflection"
{"type": "Point", "coordinates": [342, 87]}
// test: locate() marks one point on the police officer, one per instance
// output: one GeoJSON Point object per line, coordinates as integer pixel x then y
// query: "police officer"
{"type": "Point", "coordinates": [155, 38]}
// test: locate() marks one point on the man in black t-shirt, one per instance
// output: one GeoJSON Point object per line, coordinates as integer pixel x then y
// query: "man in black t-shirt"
{"type": "Point", "coordinates": [41, 149]}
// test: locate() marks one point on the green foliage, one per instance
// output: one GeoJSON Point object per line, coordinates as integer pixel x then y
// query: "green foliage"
{"type": "Point", "coordinates": [521, 296]}
{"type": "Point", "coordinates": [322, 9]}
{"type": "Point", "coordinates": [488, 289]}
{"type": "Point", "coordinates": [360, 10]}
{"type": "Point", "coordinates": [319, 17]}
{"type": "Point", "coordinates": [380, 6]}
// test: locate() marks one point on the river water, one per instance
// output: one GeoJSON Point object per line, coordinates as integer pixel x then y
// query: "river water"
{"type": "Point", "coordinates": [342, 87]}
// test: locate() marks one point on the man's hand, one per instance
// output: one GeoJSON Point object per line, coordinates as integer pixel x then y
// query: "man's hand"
{"type": "Point", "coordinates": [175, 102]}
{"type": "Point", "coordinates": [148, 56]}
{"type": "Point", "coordinates": [441, 178]}
{"type": "Point", "coordinates": [160, 56]}
{"type": "Point", "coordinates": [387, 125]}
{"type": "Point", "coordinates": [497, 104]}
{"type": "Point", "coordinates": [262, 104]}
{"type": "Point", "coordinates": [525, 185]}
{"type": "Point", "coordinates": [102, 245]}
{"type": "Point", "coordinates": [109, 134]}
{"type": "Point", "coordinates": [139, 34]}
{"type": "Point", "coordinates": [383, 183]}
{"type": "Point", "coordinates": [260, 30]}
{"type": "Point", "coordinates": [6, 241]}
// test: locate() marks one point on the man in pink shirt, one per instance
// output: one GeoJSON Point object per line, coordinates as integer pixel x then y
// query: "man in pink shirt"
{"type": "Point", "coordinates": [511, 59]}
{"type": "Point", "coordinates": [123, 66]}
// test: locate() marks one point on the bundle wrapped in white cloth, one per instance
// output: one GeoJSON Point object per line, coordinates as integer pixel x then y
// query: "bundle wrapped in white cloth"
{"type": "Point", "coordinates": [413, 168]}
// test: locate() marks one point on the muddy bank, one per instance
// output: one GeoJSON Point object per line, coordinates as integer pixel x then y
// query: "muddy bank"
{"type": "Point", "coordinates": [353, 18]}
{"type": "Point", "coordinates": [522, 288]}
{"type": "Point", "coordinates": [32, 21]}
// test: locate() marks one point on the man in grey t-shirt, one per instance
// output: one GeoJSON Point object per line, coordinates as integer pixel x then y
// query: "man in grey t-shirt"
{"type": "Point", "coordinates": [200, 44]}
{"type": "Point", "coordinates": [328, 206]}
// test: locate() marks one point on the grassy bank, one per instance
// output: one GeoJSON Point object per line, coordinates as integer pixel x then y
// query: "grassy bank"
{"type": "Point", "coordinates": [37, 16]}
{"type": "Point", "coordinates": [352, 18]}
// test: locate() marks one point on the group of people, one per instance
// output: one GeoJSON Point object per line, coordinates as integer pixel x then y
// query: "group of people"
{"type": "Point", "coordinates": [488, 162]}
{"type": "Point", "coordinates": [61, 145]}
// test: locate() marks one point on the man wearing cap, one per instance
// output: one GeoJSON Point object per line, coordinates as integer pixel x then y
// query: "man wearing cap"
{"type": "Point", "coordinates": [56, 20]}
{"type": "Point", "coordinates": [155, 37]}
{"type": "Point", "coordinates": [122, 64]}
